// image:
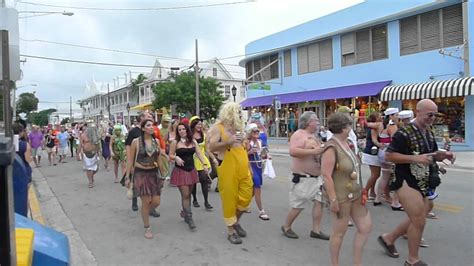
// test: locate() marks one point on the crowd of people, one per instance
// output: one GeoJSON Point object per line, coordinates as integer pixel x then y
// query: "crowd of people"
{"type": "Point", "coordinates": [400, 150]}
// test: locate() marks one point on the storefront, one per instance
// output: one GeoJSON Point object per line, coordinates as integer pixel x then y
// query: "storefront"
{"type": "Point", "coordinates": [450, 96]}
{"type": "Point", "coordinates": [321, 101]}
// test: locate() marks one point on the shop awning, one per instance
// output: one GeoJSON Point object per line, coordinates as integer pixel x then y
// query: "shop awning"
{"type": "Point", "coordinates": [351, 91]}
{"type": "Point", "coordinates": [429, 90]}
{"type": "Point", "coordinates": [141, 106]}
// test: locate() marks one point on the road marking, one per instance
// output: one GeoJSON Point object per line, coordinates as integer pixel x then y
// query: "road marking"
{"type": "Point", "coordinates": [35, 209]}
{"type": "Point", "coordinates": [448, 207]}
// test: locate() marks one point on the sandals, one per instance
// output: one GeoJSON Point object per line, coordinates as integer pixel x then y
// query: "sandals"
{"type": "Point", "coordinates": [418, 263]}
{"type": "Point", "coordinates": [148, 233]}
{"type": "Point", "coordinates": [263, 216]}
{"type": "Point", "coordinates": [431, 215]}
{"type": "Point", "coordinates": [91, 185]}
{"type": "Point", "coordinates": [389, 249]}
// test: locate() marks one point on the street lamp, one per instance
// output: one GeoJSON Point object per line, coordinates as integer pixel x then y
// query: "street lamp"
{"type": "Point", "coordinates": [44, 13]}
{"type": "Point", "coordinates": [14, 97]}
{"type": "Point", "coordinates": [128, 113]}
{"type": "Point", "coordinates": [234, 91]}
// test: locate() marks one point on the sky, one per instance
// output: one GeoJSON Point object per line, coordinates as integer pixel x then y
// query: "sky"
{"type": "Point", "coordinates": [222, 31]}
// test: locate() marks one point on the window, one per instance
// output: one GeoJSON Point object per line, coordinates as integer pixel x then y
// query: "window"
{"type": "Point", "coordinates": [227, 91]}
{"type": "Point", "coordinates": [287, 63]}
{"type": "Point", "coordinates": [315, 57]}
{"type": "Point", "coordinates": [242, 92]}
{"type": "Point", "coordinates": [364, 46]}
{"type": "Point", "coordinates": [214, 72]}
{"type": "Point", "coordinates": [142, 91]}
{"type": "Point", "coordinates": [271, 72]}
{"type": "Point", "coordinates": [432, 30]}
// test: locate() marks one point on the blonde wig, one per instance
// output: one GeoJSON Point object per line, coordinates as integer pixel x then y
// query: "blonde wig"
{"type": "Point", "coordinates": [229, 116]}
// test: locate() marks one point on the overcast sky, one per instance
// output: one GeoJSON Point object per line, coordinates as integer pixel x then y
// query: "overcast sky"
{"type": "Point", "coordinates": [222, 31]}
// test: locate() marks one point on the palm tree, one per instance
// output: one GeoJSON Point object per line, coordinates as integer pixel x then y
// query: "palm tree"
{"type": "Point", "coordinates": [135, 89]}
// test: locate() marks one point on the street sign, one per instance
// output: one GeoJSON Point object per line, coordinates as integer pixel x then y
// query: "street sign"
{"type": "Point", "coordinates": [277, 104]}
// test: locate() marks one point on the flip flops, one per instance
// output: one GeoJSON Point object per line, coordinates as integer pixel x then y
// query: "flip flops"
{"type": "Point", "coordinates": [263, 216]}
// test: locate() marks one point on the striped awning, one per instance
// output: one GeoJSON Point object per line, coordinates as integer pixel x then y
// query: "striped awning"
{"type": "Point", "coordinates": [429, 90]}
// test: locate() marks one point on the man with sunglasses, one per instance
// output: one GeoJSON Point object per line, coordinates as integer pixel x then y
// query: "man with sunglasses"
{"type": "Point", "coordinates": [414, 151]}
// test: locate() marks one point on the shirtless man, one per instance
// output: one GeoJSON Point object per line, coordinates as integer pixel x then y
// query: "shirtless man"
{"type": "Point", "coordinates": [90, 148]}
{"type": "Point", "coordinates": [305, 150]}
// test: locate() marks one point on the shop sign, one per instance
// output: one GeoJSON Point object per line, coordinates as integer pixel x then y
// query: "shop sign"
{"type": "Point", "coordinates": [264, 87]}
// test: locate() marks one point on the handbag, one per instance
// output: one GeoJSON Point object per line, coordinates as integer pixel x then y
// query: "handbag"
{"type": "Point", "coordinates": [269, 171]}
{"type": "Point", "coordinates": [130, 191]}
{"type": "Point", "coordinates": [163, 165]}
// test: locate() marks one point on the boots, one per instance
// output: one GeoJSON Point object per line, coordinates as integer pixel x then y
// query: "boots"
{"type": "Point", "coordinates": [134, 204]}
{"type": "Point", "coordinates": [188, 218]}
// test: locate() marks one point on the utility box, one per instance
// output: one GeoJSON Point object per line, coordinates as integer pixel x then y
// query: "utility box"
{"type": "Point", "coordinates": [9, 22]}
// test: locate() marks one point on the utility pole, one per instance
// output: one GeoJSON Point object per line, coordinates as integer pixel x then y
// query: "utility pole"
{"type": "Point", "coordinates": [70, 109]}
{"type": "Point", "coordinates": [196, 71]}
{"type": "Point", "coordinates": [108, 101]}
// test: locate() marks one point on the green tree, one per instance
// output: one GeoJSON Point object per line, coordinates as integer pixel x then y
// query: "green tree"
{"type": "Point", "coordinates": [41, 118]}
{"type": "Point", "coordinates": [181, 90]}
{"type": "Point", "coordinates": [65, 121]}
{"type": "Point", "coordinates": [27, 103]}
{"type": "Point", "coordinates": [135, 89]}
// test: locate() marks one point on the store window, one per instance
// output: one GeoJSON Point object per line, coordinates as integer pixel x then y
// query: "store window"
{"type": "Point", "coordinates": [450, 121]}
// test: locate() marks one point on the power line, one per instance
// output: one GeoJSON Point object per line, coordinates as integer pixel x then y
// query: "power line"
{"type": "Point", "coordinates": [106, 49]}
{"type": "Point", "coordinates": [140, 9]}
{"type": "Point", "coordinates": [90, 62]}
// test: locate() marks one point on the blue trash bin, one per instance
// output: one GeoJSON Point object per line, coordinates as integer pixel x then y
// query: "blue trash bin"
{"type": "Point", "coordinates": [20, 186]}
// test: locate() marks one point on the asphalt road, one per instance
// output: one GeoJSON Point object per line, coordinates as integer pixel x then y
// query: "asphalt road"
{"type": "Point", "coordinates": [114, 233]}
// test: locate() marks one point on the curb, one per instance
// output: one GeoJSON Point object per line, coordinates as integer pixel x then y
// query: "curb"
{"type": "Point", "coordinates": [57, 219]}
{"type": "Point", "coordinates": [34, 206]}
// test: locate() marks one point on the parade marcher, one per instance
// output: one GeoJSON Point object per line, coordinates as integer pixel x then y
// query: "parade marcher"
{"type": "Point", "coordinates": [144, 152]}
{"type": "Point", "coordinates": [405, 117]}
{"type": "Point", "coordinates": [77, 132]}
{"type": "Point", "coordinates": [370, 153]}
{"type": "Point", "coordinates": [134, 133]}
{"type": "Point", "coordinates": [200, 137]}
{"type": "Point", "coordinates": [36, 140]}
{"type": "Point", "coordinates": [117, 151]}
{"type": "Point", "coordinates": [343, 184]}
{"type": "Point", "coordinates": [24, 148]}
{"type": "Point", "coordinates": [235, 180]}
{"type": "Point", "coordinates": [72, 141]}
{"type": "Point", "coordinates": [184, 175]}
{"type": "Point", "coordinates": [254, 150]}
{"type": "Point", "coordinates": [169, 137]}
{"type": "Point", "coordinates": [51, 147]}
{"type": "Point", "coordinates": [305, 151]}
{"type": "Point", "coordinates": [63, 141]}
{"type": "Point", "coordinates": [90, 148]}
{"type": "Point", "coordinates": [323, 134]}
{"type": "Point", "coordinates": [105, 134]}
{"type": "Point", "coordinates": [414, 151]}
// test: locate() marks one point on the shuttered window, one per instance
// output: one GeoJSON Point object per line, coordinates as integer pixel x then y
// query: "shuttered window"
{"type": "Point", "coordinates": [287, 63]}
{"type": "Point", "coordinates": [271, 72]}
{"type": "Point", "coordinates": [452, 26]}
{"type": "Point", "coordinates": [274, 69]}
{"type": "Point", "coordinates": [432, 30]}
{"type": "Point", "coordinates": [409, 36]}
{"type": "Point", "coordinates": [379, 43]}
{"type": "Point", "coordinates": [325, 54]}
{"type": "Point", "coordinates": [302, 60]}
{"type": "Point", "coordinates": [315, 57]}
{"type": "Point", "coordinates": [364, 45]}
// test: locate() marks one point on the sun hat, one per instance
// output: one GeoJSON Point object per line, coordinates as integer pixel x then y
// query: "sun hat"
{"type": "Point", "coordinates": [250, 127]}
{"type": "Point", "coordinates": [404, 114]}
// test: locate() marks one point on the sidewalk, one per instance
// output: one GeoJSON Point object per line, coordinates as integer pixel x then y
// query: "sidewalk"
{"type": "Point", "coordinates": [280, 147]}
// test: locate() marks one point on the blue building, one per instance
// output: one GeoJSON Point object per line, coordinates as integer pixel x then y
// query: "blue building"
{"type": "Point", "coordinates": [376, 54]}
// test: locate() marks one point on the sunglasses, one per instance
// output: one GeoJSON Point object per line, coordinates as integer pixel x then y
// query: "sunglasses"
{"type": "Point", "coordinates": [430, 115]}
{"type": "Point", "coordinates": [255, 131]}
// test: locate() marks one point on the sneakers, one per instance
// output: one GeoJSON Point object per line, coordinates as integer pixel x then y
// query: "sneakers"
{"type": "Point", "coordinates": [134, 204]}
{"type": "Point", "coordinates": [154, 213]}
{"type": "Point", "coordinates": [196, 204]}
{"type": "Point", "coordinates": [319, 235]}
{"type": "Point", "coordinates": [239, 230]}
{"type": "Point", "coordinates": [432, 195]}
{"type": "Point", "coordinates": [423, 243]}
{"type": "Point", "coordinates": [289, 233]}
{"type": "Point", "coordinates": [208, 206]}
{"type": "Point", "coordinates": [234, 239]}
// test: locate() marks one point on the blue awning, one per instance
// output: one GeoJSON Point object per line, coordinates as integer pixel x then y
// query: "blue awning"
{"type": "Point", "coordinates": [350, 91]}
